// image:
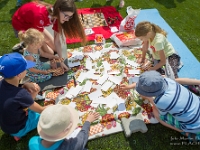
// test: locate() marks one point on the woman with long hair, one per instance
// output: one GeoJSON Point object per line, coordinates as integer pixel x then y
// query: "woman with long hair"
{"type": "Point", "coordinates": [62, 15]}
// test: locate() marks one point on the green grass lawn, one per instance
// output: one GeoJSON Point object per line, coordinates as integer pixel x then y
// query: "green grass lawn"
{"type": "Point", "coordinates": [181, 15]}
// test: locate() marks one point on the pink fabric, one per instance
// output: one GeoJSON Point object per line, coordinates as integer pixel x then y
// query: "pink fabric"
{"type": "Point", "coordinates": [108, 11]}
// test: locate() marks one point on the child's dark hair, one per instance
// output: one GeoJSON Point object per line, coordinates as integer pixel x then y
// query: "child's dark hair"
{"type": "Point", "coordinates": [144, 27]}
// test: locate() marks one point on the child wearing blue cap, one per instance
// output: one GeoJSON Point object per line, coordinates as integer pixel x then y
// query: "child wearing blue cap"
{"type": "Point", "coordinates": [19, 114]}
{"type": "Point", "coordinates": [174, 106]}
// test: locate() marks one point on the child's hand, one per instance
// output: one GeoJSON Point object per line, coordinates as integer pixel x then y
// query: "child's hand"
{"type": "Point", "coordinates": [140, 61]}
{"type": "Point", "coordinates": [127, 87]}
{"type": "Point", "coordinates": [31, 87]}
{"type": "Point", "coordinates": [56, 57]}
{"type": "Point", "coordinates": [92, 116]}
{"type": "Point", "coordinates": [145, 67]}
{"type": "Point", "coordinates": [44, 72]}
{"type": "Point", "coordinates": [53, 65]}
{"type": "Point", "coordinates": [124, 87]}
{"type": "Point", "coordinates": [62, 64]}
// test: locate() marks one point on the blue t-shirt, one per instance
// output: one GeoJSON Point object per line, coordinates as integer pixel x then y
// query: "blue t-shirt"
{"type": "Point", "coordinates": [183, 105]}
{"type": "Point", "coordinates": [35, 144]}
{"type": "Point", "coordinates": [14, 102]}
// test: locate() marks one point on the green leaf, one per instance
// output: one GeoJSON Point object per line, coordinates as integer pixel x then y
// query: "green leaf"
{"type": "Point", "coordinates": [136, 111]}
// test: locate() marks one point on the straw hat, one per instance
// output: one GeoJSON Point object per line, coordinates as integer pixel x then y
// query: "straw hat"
{"type": "Point", "coordinates": [56, 122]}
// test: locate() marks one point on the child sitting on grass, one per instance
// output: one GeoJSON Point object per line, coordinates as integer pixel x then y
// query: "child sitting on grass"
{"type": "Point", "coordinates": [55, 124]}
{"type": "Point", "coordinates": [33, 39]}
{"type": "Point", "coordinates": [174, 106]}
{"type": "Point", "coordinates": [19, 113]}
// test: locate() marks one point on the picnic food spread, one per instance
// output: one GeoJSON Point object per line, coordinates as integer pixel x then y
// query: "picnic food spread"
{"type": "Point", "coordinates": [95, 87]}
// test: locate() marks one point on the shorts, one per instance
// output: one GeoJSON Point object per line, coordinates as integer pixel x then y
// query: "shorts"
{"type": "Point", "coordinates": [31, 124]}
{"type": "Point", "coordinates": [169, 119]}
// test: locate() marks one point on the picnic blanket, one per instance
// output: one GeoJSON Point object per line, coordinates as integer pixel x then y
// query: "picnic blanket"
{"type": "Point", "coordinates": [191, 64]}
{"type": "Point", "coordinates": [108, 11]}
{"type": "Point", "coordinates": [95, 87]}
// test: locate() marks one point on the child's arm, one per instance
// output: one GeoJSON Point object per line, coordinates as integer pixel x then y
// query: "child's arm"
{"type": "Point", "coordinates": [161, 63]}
{"type": "Point", "coordinates": [37, 71]}
{"type": "Point", "coordinates": [32, 88]}
{"type": "Point", "coordinates": [144, 51]}
{"type": "Point", "coordinates": [48, 55]}
{"type": "Point", "coordinates": [157, 115]}
{"type": "Point", "coordinates": [36, 107]}
{"type": "Point", "coordinates": [187, 81]}
{"type": "Point", "coordinates": [128, 87]}
{"type": "Point", "coordinates": [57, 43]}
{"type": "Point", "coordinates": [81, 139]}
{"type": "Point", "coordinates": [33, 69]}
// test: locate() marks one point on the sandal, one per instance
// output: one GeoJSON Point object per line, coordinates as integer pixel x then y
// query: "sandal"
{"type": "Point", "coordinates": [19, 48]}
{"type": "Point", "coordinates": [121, 4]}
{"type": "Point", "coordinates": [16, 138]}
{"type": "Point", "coordinates": [191, 136]}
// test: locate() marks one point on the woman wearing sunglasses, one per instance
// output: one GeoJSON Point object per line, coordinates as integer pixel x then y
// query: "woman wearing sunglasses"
{"type": "Point", "coordinates": [62, 15]}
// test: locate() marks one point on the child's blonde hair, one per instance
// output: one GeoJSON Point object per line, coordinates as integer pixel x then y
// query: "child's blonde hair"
{"type": "Point", "coordinates": [31, 36]}
{"type": "Point", "coordinates": [144, 27]}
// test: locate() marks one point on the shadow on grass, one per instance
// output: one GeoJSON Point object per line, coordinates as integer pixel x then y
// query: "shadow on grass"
{"type": "Point", "coordinates": [3, 3]}
{"type": "Point", "coordinates": [12, 11]}
{"type": "Point", "coordinates": [95, 5]}
{"type": "Point", "coordinates": [7, 142]}
{"type": "Point", "coordinates": [169, 3]}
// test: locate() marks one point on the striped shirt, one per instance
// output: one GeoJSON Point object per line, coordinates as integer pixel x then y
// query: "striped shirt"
{"type": "Point", "coordinates": [183, 105]}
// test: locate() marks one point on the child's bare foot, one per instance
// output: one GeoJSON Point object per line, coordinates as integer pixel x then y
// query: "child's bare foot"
{"type": "Point", "coordinates": [92, 116]}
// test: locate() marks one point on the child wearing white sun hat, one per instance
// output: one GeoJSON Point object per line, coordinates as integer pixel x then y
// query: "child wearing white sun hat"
{"type": "Point", "coordinates": [55, 124]}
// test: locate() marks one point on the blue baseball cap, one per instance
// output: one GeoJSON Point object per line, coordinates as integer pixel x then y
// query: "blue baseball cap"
{"type": "Point", "coordinates": [13, 64]}
{"type": "Point", "coordinates": [151, 83]}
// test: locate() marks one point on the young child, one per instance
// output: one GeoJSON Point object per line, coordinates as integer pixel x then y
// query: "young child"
{"type": "Point", "coordinates": [174, 106]}
{"type": "Point", "coordinates": [33, 39]}
{"type": "Point", "coordinates": [163, 53]}
{"type": "Point", "coordinates": [19, 113]}
{"type": "Point", "coordinates": [55, 124]}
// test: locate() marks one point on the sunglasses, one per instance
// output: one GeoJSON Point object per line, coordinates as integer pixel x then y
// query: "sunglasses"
{"type": "Point", "coordinates": [67, 16]}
